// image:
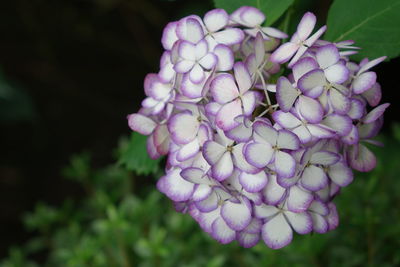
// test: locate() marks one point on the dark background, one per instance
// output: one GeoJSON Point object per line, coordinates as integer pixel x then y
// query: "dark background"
{"type": "Point", "coordinates": [78, 67]}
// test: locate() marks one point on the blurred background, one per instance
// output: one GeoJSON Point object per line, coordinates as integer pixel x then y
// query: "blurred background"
{"type": "Point", "coordinates": [70, 72]}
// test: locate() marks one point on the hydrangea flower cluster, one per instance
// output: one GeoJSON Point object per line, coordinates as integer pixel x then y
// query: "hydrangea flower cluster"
{"type": "Point", "coordinates": [251, 153]}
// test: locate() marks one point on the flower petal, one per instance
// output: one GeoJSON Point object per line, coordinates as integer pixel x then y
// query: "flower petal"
{"type": "Point", "coordinates": [285, 164]}
{"type": "Point", "coordinates": [225, 118]}
{"type": "Point", "coordinates": [151, 148]}
{"type": "Point", "coordinates": [270, 31]}
{"type": "Point", "coordinates": [229, 36]}
{"type": "Point", "coordinates": [314, 178]}
{"type": "Point", "coordinates": [324, 158]}
{"type": "Point", "coordinates": [216, 19]}
{"type": "Point", "coordinates": [333, 217]}
{"type": "Point", "coordinates": [208, 61]}
{"type": "Point", "coordinates": [155, 88]}
{"type": "Point", "coordinates": [371, 64]}
{"type": "Point", "coordinates": [196, 75]}
{"type": "Point", "coordinates": [249, 102]}
{"type": "Point", "coordinates": [364, 82]}
{"type": "Point", "coordinates": [190, 29]}
{"type": "Point", "coordinates": [201, 192]}
{"type": "Point", "coordinates": [265, 211]}
{"type": "Point", "coordinates": [223, 168]}
{"type": "Point", "coordinates": [340, 174]}
{"type": "Point", "coordinates": [373, 95]}
{"type": "Point", "coordinates": [361, 158]}
{"type": "Point", "coordinates": [175, 187]}
{"type": "Point", "coordinates": [284, 52]}
{"type": "Point", "coordinates": [304, 66]}
{"type": "Point", "coordinates": [212, 152]}
{"type": "Point", "coordinates": [341, 124]}
{"type": "Point", "coordinates": [223, 88]}
{"type": "Point", "coordinates": [298, 199]}
{"type": "Point", "coordinates": [196, 176]}
{"type": "Point", "coordinates": [222, 232]}
{"type": "Point", "coordinates": [310, 109]}
{"type": "Point", "coordinates": [319, 223]}
{"type": "Point", "coordinates": [337, 73]}
{"type": "Point", "coordinates": [188, 150]}
{"type": "Point", "coordinates": [236, 215]}
{"type": "Point", "coordinates": [273, 193]}
{"type": "Point", "coordinates": [340, 103]}
{"type": "Point", "coordinates": [352, 137]}
{"type": "Point", "coordinates": [285, 119]}
{"type": "Point", "coordinates": [239, 160]}
{"type": "Point", "coordinates": [169, 36]}
{"type": "Point", "coordinates": [252, 17]}
{"type": "Point", "coordinates": [240, 133]}
{"type": "Point", "coordinates": [276, 232]}
{"type": "Point", "coordinates": [258, 154]}
{"type": "Point", "coordinates": [299, 53]}
{"type": "Point", "coordinates": [184, 66]}
{"type": "Point", "coordinates": [327, 55]}
{"type": "Point", "coordinates": [303, 133]}
{"type": "Point", "coordinates": [183, 127]}
{"type": "Point", "coordinates": [161, 138]}
{"type": "Point", "coordinates": [286, 94]}
{"type": "Point", "coordinates": [242, 77]}
{"type": "Point", "coordinates": [306, 25]}
{"type": "Point", "coordinates": [319, 207]}
{"type": "Point", "coordinates": [311, 80]}
{"type": "Point", "coordinates": [300, 222]}
{"type": "Point", "coordinates": [190, 89]}
{"type": "Point", "coordinates": [264, 132]}
{"type": "Point", "coordinates": [225, 58]}
{"type": "Point", "coordinates": [376, 113]}
{"type": "Point", "coordinates": [319, 131]}
{"type": "Point", "coordinates": [247, 240]}
{"type": "Point", "coordinates": [253, 182]}
{"type": "Point", "coordinates": [259, 50]}
{"type": "Point", "coordinates": [254, 226]}
{"type": "Point", "coordinates": [187, 50]}
{"type": "Point", "coordinates": [141, 124]}
{"type": "Point", "coordinates": [287, 140]}
{"type": "Point", "coordinates": [208, 204]}
{"type": "Point", "coordinates": [313, 38]}
{"type": "Point", "coordinates": [370, 130]}
{"type": "Point", "coordinates": [205, 219]}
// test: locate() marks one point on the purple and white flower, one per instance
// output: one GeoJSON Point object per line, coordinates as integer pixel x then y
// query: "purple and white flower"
{"type": "Point", "coordinates": [252, 156]}
{"type": "Point", "coordinates": [300, 41]}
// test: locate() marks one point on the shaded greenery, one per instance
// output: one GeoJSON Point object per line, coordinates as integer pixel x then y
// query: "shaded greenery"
{"type": "Point", "coordinates": [117, 224]}
{"type": "Point", "coordinates": [374, 28]}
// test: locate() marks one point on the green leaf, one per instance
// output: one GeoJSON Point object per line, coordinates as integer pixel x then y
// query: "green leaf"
{"type": "Point", "coordinates": [133, 155]}
{"type": "Point", "coordinates": [372, 24]}
{"type": "Point", "coordinates": [273, 9]}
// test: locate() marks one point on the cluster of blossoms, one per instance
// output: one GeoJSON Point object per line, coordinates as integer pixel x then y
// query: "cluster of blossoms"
{"type": "Point", "coordinates": [251, 153]}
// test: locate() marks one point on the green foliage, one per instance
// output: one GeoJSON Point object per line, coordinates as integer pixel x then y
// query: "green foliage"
{"type": "Point", "coordinates": [133, 156]}
{"type": "Point", "coordinates": [373, 25]}
{"type": "Point", "coordinates": [114, 226]}
{"type": "Point", "coordinates": [17, 258]}
{"type": "Point", "coordinates": [271, 8]}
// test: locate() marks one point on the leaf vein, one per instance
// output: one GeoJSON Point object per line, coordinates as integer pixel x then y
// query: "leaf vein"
{"type": "Point", "coordinates": [364, 21]}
